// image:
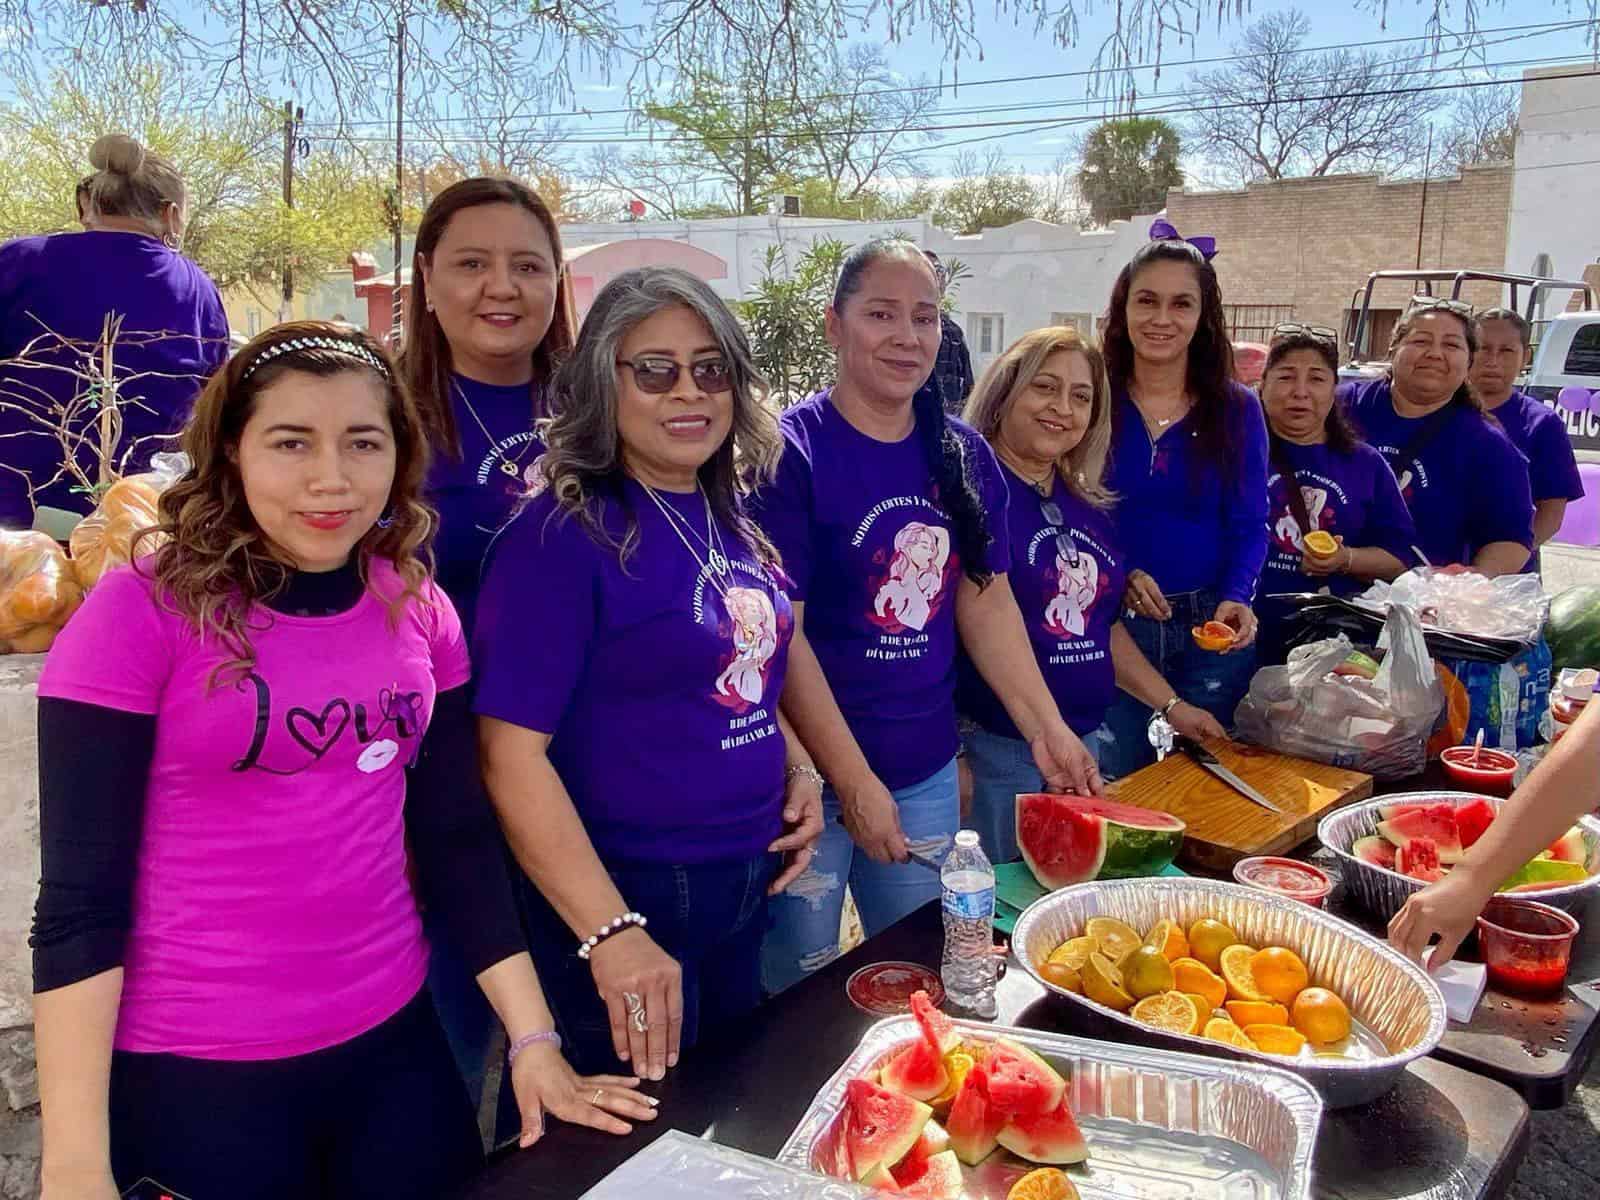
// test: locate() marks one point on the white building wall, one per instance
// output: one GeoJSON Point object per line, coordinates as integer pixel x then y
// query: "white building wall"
{"type": "Point", "coordinates": [1555, 196]}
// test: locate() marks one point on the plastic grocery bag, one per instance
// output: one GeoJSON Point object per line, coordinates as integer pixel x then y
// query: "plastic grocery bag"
{"type": "Point", "coordinates": [1510, 606]}
{"type": "Point", "coordinates": [38, 591]}
{"type": "Point", "coordinates": [105, 538]}
{"type": "Point", "coordinates": [1321, 705]}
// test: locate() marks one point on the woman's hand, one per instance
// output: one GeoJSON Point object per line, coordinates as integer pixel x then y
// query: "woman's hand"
{"type": "Point", "coordinates": [1448, 908]}
{"type": "Point", "coordinates": [1143, 597]}
{"type": "Point", "coordinates": [1063, 761]}
{"type": "Point", "coordinates": [544, 1082]}
{"type": "Point", "coordinates": [77, 1183]}
{"type": "Point", "coordinates": [1336, 563]}
{"type": "Point", "coordinates": [642, 986]}
{"type": "Point", "coordinates": [1231, 612]}
{"type": "Point", "coordinates": [872, 818]}
{"type": "Point", "coordinates": [1196, 723]}
{"type": "Point", "coordinates": [802, 826]}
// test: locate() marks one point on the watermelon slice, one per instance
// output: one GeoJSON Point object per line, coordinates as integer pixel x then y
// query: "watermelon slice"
{"type": "Point", "coordinates": [934, 1140]}
{"type": "Point", "coordinates": [938, 1030]}
{"type": "Point", "coordinates": [1072, 839]}
{"type": "Point", "coordinates": [1548, 871]}
{"type": "Point", "coordinates": [1019, 1082]}
{"type": "Point", "coordinates": [1388, 812]}
{"type": "Point", "coordinates": [1473, 820]}
{"type": "Point", "coordinates": [881, 1179]}
{"type": "Point", "coordinates": [1436, 823]}
{"type": "Point", "coordinates": [1570, 847]}
{"type": "Point", "coordinates": [917, 1071]}
{"type": "Point", "coordinates": [883, 1126]}
{"type": "Point", "coordinates": [1052, 1137]}
{"type": "Point", "coordinates": [1419, 858]}
{"type": "Point", "coordinates": [1375, 850]}
{"type": "Point", "coordinates": [974, 1124]}
{"type": "Point", "coordinates": [937, 1177]}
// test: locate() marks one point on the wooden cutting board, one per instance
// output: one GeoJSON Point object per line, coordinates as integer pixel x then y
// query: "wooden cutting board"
{"type": "Point", "coordinates": [1225, 827]}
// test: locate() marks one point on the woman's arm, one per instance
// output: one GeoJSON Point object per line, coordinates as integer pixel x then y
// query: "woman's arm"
{"type": "Point", "coordinates": [1247, 506]}
{"type": "Point", "coordinates": [1139, 678]}
{"type": "Point", "coordinates": [1359, 562]}
{"type": "Point", "coordinates": [1501, 558]}
{"type": "Point", "coordinates": [73, 1029]}
{"type": "Point", "coordinates": [1556, 794]}
{"type": "Point", "coordinates": [802, 809]}
{"type": "Point", "coordinates": [866, 807]}
{"type": "Point", "coordinates": [992, 632]}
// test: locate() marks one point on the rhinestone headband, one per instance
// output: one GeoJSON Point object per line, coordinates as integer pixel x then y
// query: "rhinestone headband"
{"type": "Point", "coordinates": [354, 350]}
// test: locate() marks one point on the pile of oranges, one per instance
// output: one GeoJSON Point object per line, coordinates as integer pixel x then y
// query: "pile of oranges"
{"type": "Point", "coordinates": [1202, 981]}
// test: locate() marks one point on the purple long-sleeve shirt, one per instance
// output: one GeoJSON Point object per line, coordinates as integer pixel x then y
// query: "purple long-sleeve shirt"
{"type": "Point", "coordinates": [1178, 515]}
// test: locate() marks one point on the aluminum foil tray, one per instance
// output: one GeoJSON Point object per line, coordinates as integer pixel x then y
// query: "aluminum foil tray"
{"type": "Point", "coordinates": [1383, 892]}
{"type": "Point", "coordinates": [1398, 1010]}
{"type": "Point", "coordinates": [1160, 1126]}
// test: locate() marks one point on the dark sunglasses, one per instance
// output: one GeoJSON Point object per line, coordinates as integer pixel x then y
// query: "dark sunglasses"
{"type": "Point", "coordinates": [1434, 303]}
{"type": "Point", "coordinates": [658, 375]}
{"type": "Point", "coordinates": [1051, 512]}
{"type": "Point", "coordinates": [1295, 328]}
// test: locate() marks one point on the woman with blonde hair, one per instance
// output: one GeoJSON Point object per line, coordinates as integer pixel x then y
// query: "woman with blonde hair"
{"type": "Point", "coordinates": [229, 963]}
{"type": "Point", "coordinates": [1045, 407]}
{"type": "Point", "coordinates": [56, 293]}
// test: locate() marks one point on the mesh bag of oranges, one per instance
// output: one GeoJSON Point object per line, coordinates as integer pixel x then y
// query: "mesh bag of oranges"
{"type": "Point", "coordinates": [38, 591]}
{"type": "Point", "coordinates": [105, 538]}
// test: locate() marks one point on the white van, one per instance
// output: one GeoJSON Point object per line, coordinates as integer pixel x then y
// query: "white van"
{"type": "Point", "coordinates": [1568, 355]}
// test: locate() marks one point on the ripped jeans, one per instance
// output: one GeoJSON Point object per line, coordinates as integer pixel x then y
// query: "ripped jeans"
{"type": "Point", "coordinates": [804, 932]}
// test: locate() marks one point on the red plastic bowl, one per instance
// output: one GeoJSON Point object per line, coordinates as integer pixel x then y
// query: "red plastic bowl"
{"type": "Point", "coordinates": [1285, 876]}
{"type": "Point", "coordinates": [1494, 769]}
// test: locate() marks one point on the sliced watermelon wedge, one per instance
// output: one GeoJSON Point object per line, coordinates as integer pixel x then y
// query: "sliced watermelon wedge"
{"type": "Point", "coordinates": [974, 1124]}
{"type": "Point", "coordinates": [883, 1126]}
{"type": "Point", "coordinates": [1570, 847]}
{"type": "Point", "coordinates": [1019, 1082]}
{"type": "Point", "coordinates": [1388, 812]}
{"type": "Point", "coordinates": [917, 1071]}
{"type": "Point", "coordinates": [1419, 858]}
{"type": "Point", "coordinates": [1436, 823]}
{"type": "Point", "coordinates": [938, 1030]}
{"type": "Point", "coordinates": [937, 1177]}
{"type": "Point", "coordinates": [1375, 850]}
{"type": "Point", "coordinates": [1473, 820]}
{"type": "Point", "coordinates": [1072, 839]}
{"type": "Point", "coordinates": [1052, 1137]}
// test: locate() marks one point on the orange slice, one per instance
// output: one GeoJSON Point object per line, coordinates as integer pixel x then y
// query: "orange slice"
{"type": "Point", "coordinates": [1167, 937]}
{"type": "Point", "coordinates": [1280, 973]}
{"type": "Point", "coordinates": [1074, 952]}
{"type": "Point", "coordinates": [1255, 1012]}
{"type": "Point", "coordinates": [1276, 1039]}
{"type": "Point", "coordinates": [1193, 976]}
{"type": "Point", "coordinates": [1236, 972]}
{"type": "Point", "coordinates": [1116, 937]}
{"type": "Point", "coordinates": [1220, 1029]}
{"type": "Point", "coordinates": [1171, 1011]}
{"type": "Point", "coordinates": [957, 1065]}
{"type": "Point", "coordinates": [1043, 1183]}
{"type": "Point", "coordinates": [1214, 635]}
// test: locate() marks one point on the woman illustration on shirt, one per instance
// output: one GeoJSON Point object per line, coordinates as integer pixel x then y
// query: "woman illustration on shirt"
{"type": "Point", "coordinates": [1288, 531]}
{"type": "Point", "coordinates": [755, 641]}
{"type": "Point", "coordinates": [1077, 588]}
{"type": "Point", "coordinates": [183, 940]}
{"type": "Point", "coordinates": [916, 575]}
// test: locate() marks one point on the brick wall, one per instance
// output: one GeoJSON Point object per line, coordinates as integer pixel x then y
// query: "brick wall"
{"type": "Point", "coordinates": [1309, 243]}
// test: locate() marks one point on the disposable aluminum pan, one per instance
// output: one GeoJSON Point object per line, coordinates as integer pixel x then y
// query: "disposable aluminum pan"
{"type": "Point", "coordinates": [1158, 1124]}
{"type": "Point", "coordinates": [1397, 1009]}
{"type": "Point", "coordinates": [1383, 892]}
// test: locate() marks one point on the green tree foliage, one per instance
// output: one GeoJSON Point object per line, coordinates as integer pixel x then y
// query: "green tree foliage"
{"type": "Point", "coordinates": [1127, 167]}
{"type": "Point", "coordinates": [785, 320]}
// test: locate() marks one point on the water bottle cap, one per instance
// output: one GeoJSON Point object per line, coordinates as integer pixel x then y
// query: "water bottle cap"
{"type": "Point", "coordinates": [967, 839]}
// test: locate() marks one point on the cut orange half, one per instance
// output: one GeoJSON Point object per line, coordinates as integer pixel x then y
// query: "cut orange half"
{"type": "Point", "coordinates": [1320, 544]}
{"type": "Point", "coordinates": [1220, 1029]}
{"type": "Point", "coordinates": [1236, 973]}
{"type": "Point", "coordinates": [1171, 1011]}
{"type": "Point", "coordinates": [1276, 1039]}
{"type": "Point", "coordinates": [1043, 1183]}
{"type": "Point", "coordinates": [1214, 635]}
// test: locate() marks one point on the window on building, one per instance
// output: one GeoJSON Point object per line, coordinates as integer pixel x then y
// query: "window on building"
{"type": "Point", "coordinates": [1583, 356]}
{"type": "Point", "coordinates": [1255, 322]}
{"type": "Point", "coordinates": [986, 332]}
{"type": "Point", "coordinates": [1081, 321]}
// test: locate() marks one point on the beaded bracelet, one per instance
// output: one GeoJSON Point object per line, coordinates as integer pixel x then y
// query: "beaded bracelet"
{"type": "Point", "coordinates": [613, 926]}
{"type": "Point", "coordinates": [532, 1039]}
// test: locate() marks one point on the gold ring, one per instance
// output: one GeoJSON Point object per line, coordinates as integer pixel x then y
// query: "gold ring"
{"type": "Point", "coordinates": [598, 1092]}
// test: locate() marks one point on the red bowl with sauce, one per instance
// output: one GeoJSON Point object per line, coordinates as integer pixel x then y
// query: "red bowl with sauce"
{"type": "Point", "coordinates": [1526, 946]}
{"type": "Point", "coordinates": [1492, 771]}
{"type": "Point", "coordinates": [1286, 877]}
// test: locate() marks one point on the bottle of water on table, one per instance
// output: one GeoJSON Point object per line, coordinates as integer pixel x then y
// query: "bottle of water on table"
{"type": "Point", "coordinates": [969, 962]}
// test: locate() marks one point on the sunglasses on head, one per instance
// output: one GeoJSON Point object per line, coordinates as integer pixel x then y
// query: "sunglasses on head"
{"type": "Point", "coordinates": [1420, 304]}
{"type": "Point", "coordinates": [658, 375]}
{"type": "Point", "coordinates": [1051, 512]}
{"type": "Point", "coordinates": [1295, 329]}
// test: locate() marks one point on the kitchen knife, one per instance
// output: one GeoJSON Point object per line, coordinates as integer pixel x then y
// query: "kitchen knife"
{"type": "Point", "coordinates": [1207, 760]}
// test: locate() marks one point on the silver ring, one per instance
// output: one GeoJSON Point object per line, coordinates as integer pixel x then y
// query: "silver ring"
{"type": "Point", "coordinates": [639, 1022]}
{"type": "Point", "coordinates": [595, 1099]}
{"type": "Point", "coordinates": [632, 1002]}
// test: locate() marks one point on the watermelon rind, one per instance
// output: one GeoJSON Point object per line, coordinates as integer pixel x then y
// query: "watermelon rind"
{"type": "Point", "coordinates": [1053, 1137]}
{"type": "Point", "coordinates": [1375, 851]}
{"type": "Point", "coordinates": [937, 1177]}
{"type": "Point", "coordinates": [1573, 628]}
{"type": "Point", "coordinates": [1546, 871]}
{"type": "Point", "coordinates": [1436, 823]}
{"type": "Point", "coordinates": [883, 1125]}
{"type": "Point", "coordinates": [1570, 847]}
{"type": "Point", "coordinates": [1107, 840]}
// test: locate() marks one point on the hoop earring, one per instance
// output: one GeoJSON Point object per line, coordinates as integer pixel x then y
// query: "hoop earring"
{"type": "Point", "coordinates": [170, 241]}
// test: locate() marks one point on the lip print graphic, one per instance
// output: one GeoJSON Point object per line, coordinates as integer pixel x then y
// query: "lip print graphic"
{"type": "Point", "coordinates": [911, 591]}
{"type": "Point", "coordinates": [1078, 589]}
{"type": "Point", "coordinates": [754, 634]}
{"type": "Point", "coordinates": [1288, 534]}
{"type": "Point", "coordinates": [377, 756]}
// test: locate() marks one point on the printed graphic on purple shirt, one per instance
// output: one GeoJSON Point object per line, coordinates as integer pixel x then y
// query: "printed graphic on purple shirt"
{"type": "Point", "coordinates": [917, 578]}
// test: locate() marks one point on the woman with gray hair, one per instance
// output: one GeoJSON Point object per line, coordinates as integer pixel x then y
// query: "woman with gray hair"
{"type": "Point", "coordinates": [632, 638]}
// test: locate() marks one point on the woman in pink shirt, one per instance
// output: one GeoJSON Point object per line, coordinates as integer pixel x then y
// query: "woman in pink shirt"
{"type": "Point", "coordinates": [239, 735]}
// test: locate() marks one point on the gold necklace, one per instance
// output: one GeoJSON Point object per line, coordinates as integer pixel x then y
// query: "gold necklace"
{"type": "Point", "coordinates": [508, 466]}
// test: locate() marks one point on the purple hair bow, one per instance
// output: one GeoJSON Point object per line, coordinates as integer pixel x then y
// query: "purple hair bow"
{"type": "Point", "coordinates": [1165, 231]}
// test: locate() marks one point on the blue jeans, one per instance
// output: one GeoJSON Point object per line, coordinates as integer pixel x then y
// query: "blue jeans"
{"type": "Point", "coordinates": [1214, 682]}
{"type": "Point", "coordinates": [804, 933]}
{"type": "Point", "coordinates": [1003, 767]}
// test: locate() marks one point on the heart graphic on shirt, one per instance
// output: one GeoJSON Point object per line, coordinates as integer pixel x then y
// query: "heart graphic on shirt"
{"type": "Point", "coordinates": [327, 727]}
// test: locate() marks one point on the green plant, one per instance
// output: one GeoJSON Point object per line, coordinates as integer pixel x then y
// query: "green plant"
{"type": "Point", "coordinates": [785, 320]}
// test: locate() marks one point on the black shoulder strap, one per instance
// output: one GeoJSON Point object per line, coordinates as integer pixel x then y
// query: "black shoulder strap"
{"type": "Point", "coordinates": [1431, 428]}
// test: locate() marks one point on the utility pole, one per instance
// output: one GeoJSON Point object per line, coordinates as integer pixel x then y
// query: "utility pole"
{"type": "Point", "coordinates": [292, 118]}
{"type": "Point", "coordinates": [398, 313]}
{"type": "Point", "coordinates": [1422, 209]}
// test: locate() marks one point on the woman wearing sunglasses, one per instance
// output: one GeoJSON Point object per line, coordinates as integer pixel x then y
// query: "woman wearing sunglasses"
{"type": "Point", "coordinates": [1322, 477]}
{"type": "Point", "coordinates": [632, 640]}
{"type": "Point", "coordinates": [1464, 482]}
{"type": "Point", "coordinates": [1189, 468]}
{"type": "Point", "coordinates": [1045, 407]}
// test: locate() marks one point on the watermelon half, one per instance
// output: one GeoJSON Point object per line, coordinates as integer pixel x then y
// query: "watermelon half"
{"type": "Point", "coordinates": [1436, 823]}
{"type": "Point", "coordinates": [1573, 628]}
{"type": "Point", "coordinates": [1073, 839]}
{"type": "Point", "coordinates": [882, 1126]}
{"type": "Point", "coordinates": [1052, 1137]}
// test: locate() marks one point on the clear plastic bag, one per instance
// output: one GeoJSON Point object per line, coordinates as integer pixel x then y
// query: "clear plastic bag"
{"type": "Point", "coordinates": [677, 1166]}
{"type": "Point", "coordinates": [38, 591]}
{"type": "Point", "coordinates": [105, 538]}
{"type": "Point", "coordinates": [1378, 725]}
{"type": "Point", "coordinates": [1511, 606]}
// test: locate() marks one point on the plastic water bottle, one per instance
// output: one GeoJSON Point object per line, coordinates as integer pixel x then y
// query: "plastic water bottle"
{"type": "Point", "coordinates": [969, 963]}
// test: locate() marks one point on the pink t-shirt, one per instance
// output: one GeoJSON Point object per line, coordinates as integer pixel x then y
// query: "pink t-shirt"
{"type": "Point", "coordinates": [271, 911]}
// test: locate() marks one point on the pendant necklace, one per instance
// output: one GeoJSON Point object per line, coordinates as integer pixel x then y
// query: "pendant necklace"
{"type": "Point", "coordinates": [508, 466]}
{"type": "Point", "coordinates": [715, 564]}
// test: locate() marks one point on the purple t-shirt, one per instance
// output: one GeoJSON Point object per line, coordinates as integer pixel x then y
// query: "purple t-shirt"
{"type": "Point", "coordinates": [67, 283]}
{"type": "Point", "coordinates": [1468, 486]}
{"type": "Point", "coordinates": [1541, 435]}
{"type": "Point", "coordinates": [476, 494]}
{"type": "Point", "coordinates": [658, 680]}
{"type": "Point", "coordinates": [272, 915]}
{"type": "Point", "coordinates": [869, 550]}
{"type": "Point", "coordinates": [1069, 603]}
{"type": "Point", "coordinates": [1176, 516]}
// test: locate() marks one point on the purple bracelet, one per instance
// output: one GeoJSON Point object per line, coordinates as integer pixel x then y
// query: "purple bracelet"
{"type": "Point", "coordinates": [522, 1043]}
